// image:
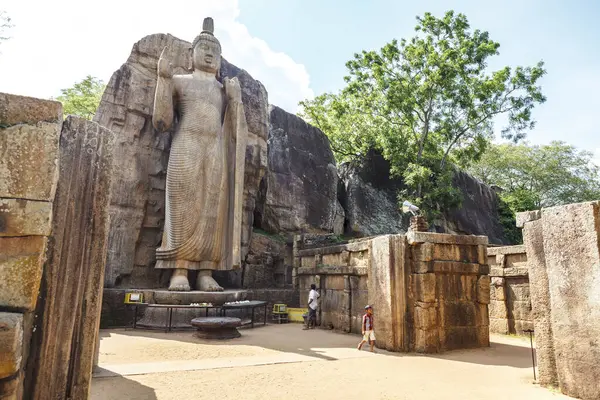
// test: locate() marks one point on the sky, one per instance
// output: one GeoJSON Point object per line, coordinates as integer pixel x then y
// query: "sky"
{"type": "Point", "coordinates": [298, 48]}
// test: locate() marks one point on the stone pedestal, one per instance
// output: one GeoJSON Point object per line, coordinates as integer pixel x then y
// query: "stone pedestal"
{"type": "Point", "coordinates": [217, 328]}
{"type": "Point", "coordinates": [157, 317]}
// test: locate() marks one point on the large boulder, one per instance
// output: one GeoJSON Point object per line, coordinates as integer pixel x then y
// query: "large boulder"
{"type": "Point", "coordinates": [299, 190]}
{"type": "Point", "coordinates": [369, 198]}
{"type": "Point", "coordinates": [141, 156]}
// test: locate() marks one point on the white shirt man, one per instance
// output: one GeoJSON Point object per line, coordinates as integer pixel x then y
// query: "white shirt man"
{"type": "Point", "coordinates": [313, 303]}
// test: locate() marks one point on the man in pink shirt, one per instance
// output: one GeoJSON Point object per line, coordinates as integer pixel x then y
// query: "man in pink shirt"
{"type": "Point", "coordinates": [367, 329]}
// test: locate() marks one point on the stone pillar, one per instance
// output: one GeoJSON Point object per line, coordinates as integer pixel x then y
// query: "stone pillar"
{"type": "Point", "coordinates": [563, 245]}
{"type": "Point", "coordinates": [29, 140]}
{"type": "Point", "coordinates": [388, 291]}
{"type": "Point", "coordinates": [540, 299]}
{"type": "Point", "coordinates": [68, 313]}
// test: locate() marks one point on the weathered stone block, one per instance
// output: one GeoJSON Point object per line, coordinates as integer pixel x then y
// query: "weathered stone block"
{"type": "Point", "coordinates": [499, 325]}
{"type": "Point", "coordinates": [444, 238]}
{"type": "Point", "coordinates": [499, 293]}
{"type": "Point", "coordinates": [20, 217]}
{"type": "Point", "coordinates": [28, 166]}
{"type": "Point", "coordinates": [28, 110]}
{"type": "Point", "coordinates": [424, 287]}
{"type": "Point", "coordinates": [11, 343]}
{"type": "Point", "coordinates": [21, 270]}
{"type": "Point", "coordinates": [497, 309]}
{"type": "Point", "coordinates": [527, 216]}
{"type": "Point", "coordinates": [425, 315]}
{"type": "Point", "coordinates": [427, 341]}
{"type": "Point", "coordinates": [483, 289]}
{"type": "Point", "coordinates": [452, 267]}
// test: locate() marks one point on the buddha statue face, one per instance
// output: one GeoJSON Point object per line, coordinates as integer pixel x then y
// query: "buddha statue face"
{"type": "Point", "coordinates": [207, 56]}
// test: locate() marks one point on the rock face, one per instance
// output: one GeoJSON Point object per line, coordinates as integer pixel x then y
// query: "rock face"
{"type": "Point", "coordinates": [478, 214]}
{"type": "Point", "coordinates": [141, 156]}
{"type": "Point", "coordinates": [369, 200]}
{"type": "Point", "coordinates": [299, 190]}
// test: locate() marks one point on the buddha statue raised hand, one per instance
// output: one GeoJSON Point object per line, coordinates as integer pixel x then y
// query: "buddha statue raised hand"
{"type": "Point", "coordinates": [205, 174]}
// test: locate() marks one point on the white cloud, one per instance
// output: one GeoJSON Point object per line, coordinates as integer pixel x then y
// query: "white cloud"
{"type": "Point", "coordinates": [56, 43]}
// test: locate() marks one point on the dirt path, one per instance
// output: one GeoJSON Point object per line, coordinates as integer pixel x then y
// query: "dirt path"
{"type": "Point", "coordinates": [284, 362]}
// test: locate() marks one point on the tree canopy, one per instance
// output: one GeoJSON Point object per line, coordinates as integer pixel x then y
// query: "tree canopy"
{"type": "Point", "coordinates": [83, 98]}
{"type": "Point", "coordinates": [427, 103]}
{"type": "Point", "coordinates": [532, 177]}
{"type": "Point", "coordinates": [5, 24]}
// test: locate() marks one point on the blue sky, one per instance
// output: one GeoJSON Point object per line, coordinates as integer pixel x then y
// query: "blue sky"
{"type": "Point", "coordinates": [298, 48]}
{"type": "Point", "coordinates": [565, 35]}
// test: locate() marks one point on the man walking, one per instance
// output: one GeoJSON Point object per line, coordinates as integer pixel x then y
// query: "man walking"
{"type": "Point", "coordinates": [313, 303]}
{"type": "Point", "coordinates": [367, 329]}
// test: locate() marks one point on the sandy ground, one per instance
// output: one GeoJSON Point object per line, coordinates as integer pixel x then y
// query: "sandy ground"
{"type": "Point", "coordinates": [285, 362]}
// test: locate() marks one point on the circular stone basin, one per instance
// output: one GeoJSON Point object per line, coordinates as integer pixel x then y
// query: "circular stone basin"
{"type": "Point", "coordinates": [217, 327]}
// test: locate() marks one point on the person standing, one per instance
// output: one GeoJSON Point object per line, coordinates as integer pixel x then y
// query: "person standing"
{"type": "Point", "coordinates": [313, 303]}
{"type": "Point", "coordinates": [368, 329]}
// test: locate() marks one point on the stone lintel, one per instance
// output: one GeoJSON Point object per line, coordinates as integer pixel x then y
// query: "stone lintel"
{"type": "Point", "coordinates": [450, 267]}
{"type": "Point", "coordinates": [516, 271]}
{"type": "Point", "coordinates": [350, 247]}
{"type": "Point", "coordinates": [28, 110]}
{"type": "Point", "coordinates": [527, 216]}
{"type": "Point", "coordinates": [496, 271]}
{"type": "Point", "coordinates": [518, 249]}
{"type": "Point", "coordinates": [332, 270]}
{"type": "Point", "coordinates": [11, 343]}
{"type": "Point", "coordinates": [444, 238]}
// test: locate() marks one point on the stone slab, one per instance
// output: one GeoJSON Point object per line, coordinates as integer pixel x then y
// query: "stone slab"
{"type": "Point", "coordinates": [196, 296]}
{"type": "Point", "coordinates": [11, 343]}
{"type": "Point", "coordinates": [28, 110]}
{"type": "Point", "coordinates": [527, 216]}
{"type": "Point", "coordinates": [28, 161]}
{"type": "Point", "coordinates": [428, 237]}
{"type": "Point", "coordinates": [492, 251]}
{"type": "Point", "coordinates": [21, 265]}
{"type": "Point", "coordinates": [20, 217]}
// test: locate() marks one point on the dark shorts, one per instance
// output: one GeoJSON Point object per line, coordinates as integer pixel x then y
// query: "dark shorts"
{"type": "Point", "coordinates": [312, 314]}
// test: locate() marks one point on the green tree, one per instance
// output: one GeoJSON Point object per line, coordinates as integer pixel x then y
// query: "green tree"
{"type": "Point", "coordinates": [532, 177]}
{"type": "Point", "coordinates": [83, 98]}
{"type": "Point", "coordinates": [427, 103]}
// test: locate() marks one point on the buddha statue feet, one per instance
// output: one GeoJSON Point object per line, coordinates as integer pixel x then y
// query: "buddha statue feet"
{"type": "Point", "coordinates": [179, 281]}
{"type": "Point", "coordinates": [206, 283]}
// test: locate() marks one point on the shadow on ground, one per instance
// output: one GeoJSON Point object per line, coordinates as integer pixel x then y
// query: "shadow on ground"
{"type": "Point", "coordinates": [128, 389]}
{"type": "Point", "coordinates": [330, 345]}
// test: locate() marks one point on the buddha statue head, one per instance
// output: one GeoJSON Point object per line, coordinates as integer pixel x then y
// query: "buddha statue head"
{"type": "Point", "coordinates": [206, 49]}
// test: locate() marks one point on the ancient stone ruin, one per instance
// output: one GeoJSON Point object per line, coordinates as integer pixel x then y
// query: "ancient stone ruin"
{"type": "Point", "coordinates": [563, 255]}
{"type": "Point", "coordinates": [430, 291]}
{"type": "Point", "coordinates": [83, 210]}
{"type": "Point", "coordinates": [510, 300]}
{"type": "Point", "coordinates": [54, 195]}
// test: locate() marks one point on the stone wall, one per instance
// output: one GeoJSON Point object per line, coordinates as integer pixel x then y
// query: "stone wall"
{"type": "Point", "coordinates": [29, 147]}
{"type": "Point", "coordinates": [563, 253]}
{"type": "Point", "coordinates": [430, 292]}
{"type": "Point", "coordinates": [510, 300]}
{"type": "Point", "coordinates": [141, 157]}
